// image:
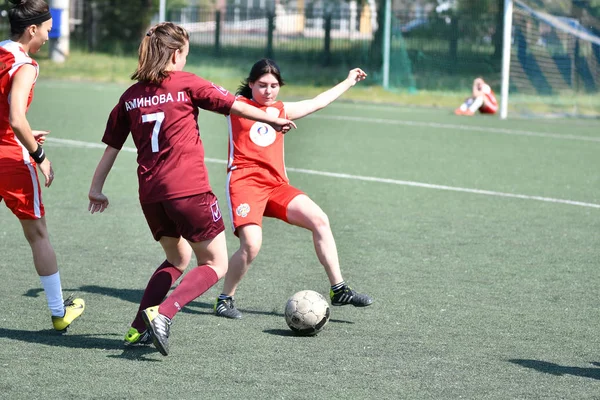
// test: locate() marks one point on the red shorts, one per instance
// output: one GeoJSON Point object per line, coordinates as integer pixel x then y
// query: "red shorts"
{"type": "Point", "coordinates": [196, 218]}
{"type": "Point", "coordinates": [490, 105]}
{"type": "Point", "coordinates": [20, 189]}
{"type": "Point", "coordinates": [253, 193]}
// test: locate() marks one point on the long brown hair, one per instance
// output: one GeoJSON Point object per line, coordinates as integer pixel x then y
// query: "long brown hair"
{"type": "Point", "coordinates": [156, 50]}
{"type": "Point", "coordinates": [260, 68]}
{"type": "Point", "coordinates": [25, 11]}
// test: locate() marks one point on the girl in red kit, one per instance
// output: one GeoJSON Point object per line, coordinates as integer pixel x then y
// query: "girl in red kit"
{"type": "Point", "coordinates": [21, 150]}
{"type": "Point", "coordinates": [257, 184]}
{"type": "Point", "coordinates": [161, 112]}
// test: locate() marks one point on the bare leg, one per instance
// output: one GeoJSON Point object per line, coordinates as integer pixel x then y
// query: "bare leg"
{"type": "Point", "coordinates": [44, 258]}
{"type": "Point", "coordinates": [305, 213]}
{"type": "Point", "coordinates": [250, 243]}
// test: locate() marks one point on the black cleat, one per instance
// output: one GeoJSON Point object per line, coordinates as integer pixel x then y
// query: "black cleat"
{"type": "Point", "coordinates": [226, 308]}
{"type": "Point", "coordinates": [349, 296]}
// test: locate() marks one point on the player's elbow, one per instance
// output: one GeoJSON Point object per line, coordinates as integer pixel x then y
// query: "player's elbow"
{"type": "Point", "coordinates": [17, 122]}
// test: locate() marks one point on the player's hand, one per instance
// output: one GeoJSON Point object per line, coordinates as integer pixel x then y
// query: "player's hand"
{"type": "Point", "coordinates": [46, 168]}
{"type": "Point", "coordinates": [98, 202]}
{"type": "Point", "coordinates": [283, 125]}
{"type": "Point", "coordinates": [40, 136]}
{"type": "Point", "coordinates": [356, 75]}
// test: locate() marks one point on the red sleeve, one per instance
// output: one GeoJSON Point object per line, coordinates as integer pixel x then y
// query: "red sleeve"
{"type": "Point", "coordinates": [117, 127]}
{"type": "Point", "coordinates": [211, 97]}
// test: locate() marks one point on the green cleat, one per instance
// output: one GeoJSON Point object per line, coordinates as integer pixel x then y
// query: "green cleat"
{"type": "Point", "coordinates": [135, 338]}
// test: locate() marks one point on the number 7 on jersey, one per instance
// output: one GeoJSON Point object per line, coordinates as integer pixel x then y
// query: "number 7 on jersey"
{"type": "Point", "coordinates": [157, 117]}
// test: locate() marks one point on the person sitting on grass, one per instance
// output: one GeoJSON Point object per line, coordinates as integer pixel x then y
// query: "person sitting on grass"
{"type": "Point", "coordinates": [482, 100]}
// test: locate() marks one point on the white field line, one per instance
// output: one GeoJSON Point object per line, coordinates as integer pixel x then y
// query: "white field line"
{"type": "Point", "coordinates": [436, 125]}
{"type": "Point", "coordinates": [90, 145]}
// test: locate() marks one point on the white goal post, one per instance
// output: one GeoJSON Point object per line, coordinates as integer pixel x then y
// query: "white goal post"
{"type": "Point", "coordinates": [506, 48]}
{"type": "Point", "coordinates": [550, 64]}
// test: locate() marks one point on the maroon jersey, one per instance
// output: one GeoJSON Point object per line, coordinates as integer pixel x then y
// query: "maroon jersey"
{"type": "Point", "coordinates": [163, 121]}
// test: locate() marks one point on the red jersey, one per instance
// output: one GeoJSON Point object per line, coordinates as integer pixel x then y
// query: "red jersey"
{"type": "Point", "coordinates": [163, 121]}
{"type": "Point", "coordinates": [257, 144]}
{"type": "Point", "coordinates": [12, 57]}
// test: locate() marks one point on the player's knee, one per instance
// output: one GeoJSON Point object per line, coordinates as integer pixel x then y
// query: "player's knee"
{"type": "Point", "coordinates": [220, 269]}
{"type": "Point", "coordinates": [182, 260]}
{"type": "Point", "coordinates": [250, 249]}
{"type": "Point", "coordinates": [320, 221]}
{"type": "Point", "coordinates": [35, 233]}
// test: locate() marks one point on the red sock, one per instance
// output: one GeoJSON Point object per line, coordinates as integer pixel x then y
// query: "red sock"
{"type": "Point", "coordinates": [158, 286]}
{"type": "Point", "coordinates": [196, 282]}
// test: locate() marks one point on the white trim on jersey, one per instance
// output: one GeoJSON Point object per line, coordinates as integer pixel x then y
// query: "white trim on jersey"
{"type": "Point", "coordinates": [21, 58]}
{"type": "Point", "coordinates": [23, 150]}
{"type": "Point", "coordinates": [230, 132]}
{"type": "Point", "coordinates": [36, 190]}
{"type": "Point", "coordinates": [228, 195]}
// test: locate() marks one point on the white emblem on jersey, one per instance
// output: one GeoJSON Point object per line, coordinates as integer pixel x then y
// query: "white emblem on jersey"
{"type": "Point", "coordinates": [243, 210]}
{"type": "Point", "coordinates": [262, 134]}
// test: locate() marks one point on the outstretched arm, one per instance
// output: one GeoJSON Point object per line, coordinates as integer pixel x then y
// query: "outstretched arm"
{"type": "Point", "coordinates": [248, 111]}
{"type": "Point", "coordinates": [98, 201]}
{"type": "Point", "coordinates": [303, 108]}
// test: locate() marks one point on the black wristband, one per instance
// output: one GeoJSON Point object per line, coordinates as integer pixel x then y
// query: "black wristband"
{"type": "Point", "coordinates": [39, 155]}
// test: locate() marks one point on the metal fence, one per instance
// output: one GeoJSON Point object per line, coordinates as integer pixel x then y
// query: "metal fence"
{"type": "Point", "coordinates": [436, 49]}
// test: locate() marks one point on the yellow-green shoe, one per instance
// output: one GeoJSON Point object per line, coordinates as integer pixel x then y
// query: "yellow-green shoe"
{"type": "Point", "coordinates": [73, 309]}
{"type": "Point", "coordinates": [135, 338]}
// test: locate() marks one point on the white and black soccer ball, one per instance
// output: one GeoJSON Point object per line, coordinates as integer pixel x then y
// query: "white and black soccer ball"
{"type": "Point", "coordinates": [307, 312]}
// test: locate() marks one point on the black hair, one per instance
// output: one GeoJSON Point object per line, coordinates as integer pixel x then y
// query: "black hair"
{"type": "Point", "coordinates": [24, 13]}
{"type": "Point", "coordinates": [260, 68]}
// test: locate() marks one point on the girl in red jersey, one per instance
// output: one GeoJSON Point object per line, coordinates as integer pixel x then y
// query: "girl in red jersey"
{"type": "Point", "coordinates": [21, 150]}
{"type": "Point", "coordinates": [161, 112]}
{"type": "Point", "coordinates": [258, 185]}
{"type": "Point", "coordinates": [482, 99]}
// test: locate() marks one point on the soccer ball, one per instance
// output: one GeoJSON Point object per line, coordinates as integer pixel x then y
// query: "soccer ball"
{"type": "Point", "coordinates": [307, 312]}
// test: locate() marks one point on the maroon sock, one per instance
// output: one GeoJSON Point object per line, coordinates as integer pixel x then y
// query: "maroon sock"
{"type": "Point", "coordinates": [158, 286]}
{"type": "Point", "coordinates": [193, 284]}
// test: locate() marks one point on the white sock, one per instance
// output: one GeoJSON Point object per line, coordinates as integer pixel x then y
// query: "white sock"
{"type": "Point", "coordinates": [53, 289]}
{"type": "Point", "coordinates": [477, 103]}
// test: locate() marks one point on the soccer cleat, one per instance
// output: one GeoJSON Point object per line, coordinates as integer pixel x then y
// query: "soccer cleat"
{"type": "Point", "coordinates": [159, 327]}
{"type": "Point", "coordinates": [226, 308]}
{"type": "Point", "coordinates": [349, 296]}
{"type": "Point", "coordinates": [73, 309]}
{"type": "Point", "coordinates": [136, 338]}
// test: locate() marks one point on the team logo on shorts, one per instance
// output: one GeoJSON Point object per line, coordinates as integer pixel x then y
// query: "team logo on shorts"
{"type": "Point", "coordinates": [216, 211]}
{"type": "Point", "coordinates": [262, 134]}
{"type": "Point", "coordinates": [243, 210]}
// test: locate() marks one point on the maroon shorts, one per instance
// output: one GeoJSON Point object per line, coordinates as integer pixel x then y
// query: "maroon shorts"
{"type": "Point", "coordinates": [196, 218]}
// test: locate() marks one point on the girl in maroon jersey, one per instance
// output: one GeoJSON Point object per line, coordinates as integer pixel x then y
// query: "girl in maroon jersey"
{"type": "Point", "coordinates": [21, 150]}
{"type": "Point", "coordinates": [257, 184]}
{"type": "Point", "coordinates": [161, 113]}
